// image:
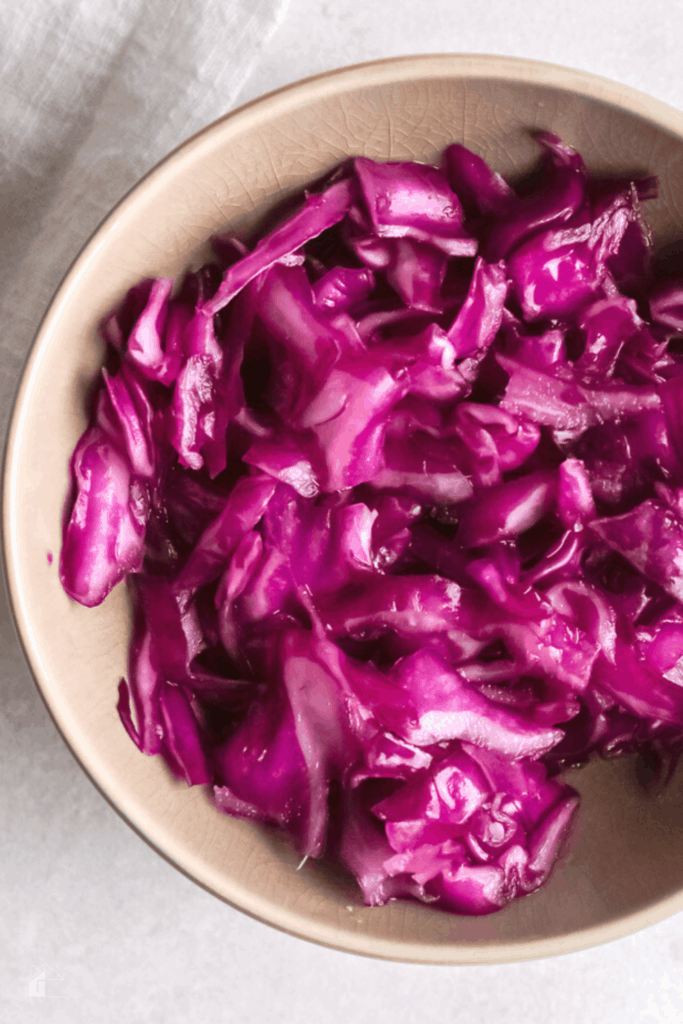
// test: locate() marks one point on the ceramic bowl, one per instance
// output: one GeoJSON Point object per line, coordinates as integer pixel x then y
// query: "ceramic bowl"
{"type": "Point", "coordinates": [624, 865]}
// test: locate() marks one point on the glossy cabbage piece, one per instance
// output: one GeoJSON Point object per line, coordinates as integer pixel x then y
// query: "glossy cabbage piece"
{"type": "Point", "coordinates": [319, 212]}
{"type": "Point", "coordinates": [104, 536]}
{"type": "Point", "coordinates": [469, 833]}
{"type": "Point", "coordinates": [482, 192]}
{"type": "Point", "coordinates": [650, 537]}
{"type": "Point", "coordinates": [397, 489]}
{"type": "Point", "coordinates": [158, 701]}
{"type": "Point", "coordinates": [427, 470]}
{"type": "Point", "coordinates": [241, 512]}
{"type": "Point", "coordinates": [148, 328]}
{"type": "Point", "coordinates": [446, 707]}
{"type": "Point", "coordinates": [557, 272]}
{"type": "Point", "coordinates": [508, 509]}
{"type": "Point", "coordinates": [410, 200]}
{"type": "Point", "coordinates": [496, 440]}
{"type": "Point", "coordinates": [305, 731]}
{"type": "Point", "coordinates": [481, 314]}
{"type": "Point", "coordinates": [556, 203]}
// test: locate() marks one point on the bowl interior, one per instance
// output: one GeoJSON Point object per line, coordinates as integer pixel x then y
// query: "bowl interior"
{"type": "Point", "coordinates": [624, 864]}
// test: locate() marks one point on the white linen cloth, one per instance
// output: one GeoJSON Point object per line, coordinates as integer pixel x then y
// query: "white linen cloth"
{"type": "Point", "coordinates": [93, 94]}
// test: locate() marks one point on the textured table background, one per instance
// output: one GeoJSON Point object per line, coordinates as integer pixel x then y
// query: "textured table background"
{"type": "Point", "coordinates": [91, 95]}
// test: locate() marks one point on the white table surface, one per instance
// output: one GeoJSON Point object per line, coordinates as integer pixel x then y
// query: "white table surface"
{"type": "Point", "coordinates": [123, 935]}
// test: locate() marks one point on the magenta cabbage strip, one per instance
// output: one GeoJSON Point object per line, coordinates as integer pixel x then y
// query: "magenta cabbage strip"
{"type": "Point", "coordinates": [397, 491]}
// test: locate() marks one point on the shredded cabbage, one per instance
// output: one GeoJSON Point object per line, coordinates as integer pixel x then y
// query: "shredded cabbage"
{"type": "Point", "coordinates": [398, 495]}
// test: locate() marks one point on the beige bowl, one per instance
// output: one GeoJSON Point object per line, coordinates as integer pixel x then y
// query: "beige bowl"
{"type": "Point", "coordinates": [624, 866]}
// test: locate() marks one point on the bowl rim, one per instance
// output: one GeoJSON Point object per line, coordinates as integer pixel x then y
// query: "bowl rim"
{"type": "Point", "coordinates": [371, 73]}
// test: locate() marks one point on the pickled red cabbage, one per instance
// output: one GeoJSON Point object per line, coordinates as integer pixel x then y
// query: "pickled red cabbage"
{"type": "Point", "coordinates": [398, 494]}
